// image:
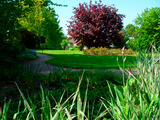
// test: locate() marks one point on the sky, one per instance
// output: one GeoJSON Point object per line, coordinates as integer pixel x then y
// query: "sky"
{"type": "Point", "coordinates": [129, 8]}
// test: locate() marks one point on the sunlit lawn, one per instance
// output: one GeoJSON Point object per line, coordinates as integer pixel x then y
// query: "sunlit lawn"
{"type": "Point", "coordinates": [76, 59]}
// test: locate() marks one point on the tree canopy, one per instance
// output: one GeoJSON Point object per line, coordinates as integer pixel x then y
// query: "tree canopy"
{"type": "Point", "coordinates": [96, 25]}
{"type": "Point", "coordinates": [148, 28]}
{"type": "Point", "coordinates": [34, 16]}
{"type": "Point", "coordinates": [130, 30]}
{"type": "Point", "coordinates": [42, 20]}
{"type": "Point", "coordinates": [51, 29]}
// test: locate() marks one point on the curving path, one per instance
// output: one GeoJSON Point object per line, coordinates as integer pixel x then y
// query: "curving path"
{"type": "Point", "coordinates": [40, 66]}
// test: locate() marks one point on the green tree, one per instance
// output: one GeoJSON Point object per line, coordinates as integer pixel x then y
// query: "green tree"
{"type": "Point", "coordinates": [148, 27]}
{"type": "Point", "coordinates": [131, 35]}
{"type": "Point", "coordinates": [10, 11]}
{"type": "Point", "coordinates": [124, 38]}
{"type": "Point", "coordinates": [33, 19]}
{"type": "Point", "coordinates": [50, 28]}
{"type": "Point", "coordinates": [130, 30]}
{"type": "Point", "coordinates": [65, 43]}
{"type": "Point", "coordinates": [43, 21]}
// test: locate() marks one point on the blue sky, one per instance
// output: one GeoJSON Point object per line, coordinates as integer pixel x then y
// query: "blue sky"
{"type": "Point", "coordinates": [130, 8]}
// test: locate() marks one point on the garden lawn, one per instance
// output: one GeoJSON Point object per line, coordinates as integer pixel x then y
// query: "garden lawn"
{"type": "Point", "coordinates": [76, 59]}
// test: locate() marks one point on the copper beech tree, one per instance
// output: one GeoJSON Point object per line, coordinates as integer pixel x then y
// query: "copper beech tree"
{"type": "Point", "coordinates": [96, 25]}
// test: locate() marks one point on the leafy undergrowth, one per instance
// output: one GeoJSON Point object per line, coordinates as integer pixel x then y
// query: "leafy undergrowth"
{"type": "Point", "coordinates": [54, 85]}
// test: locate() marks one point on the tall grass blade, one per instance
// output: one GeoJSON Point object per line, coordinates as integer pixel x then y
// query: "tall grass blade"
{"type": "Point", "coordinates": [79, 107]}
{"type": "Point", "coordinates": [26, 104]}
{"type": "Point", "coordinates": [4, 110]}
{"type": "Point", "coordinates": [76, 93]}
{"type": "Point", "coordinates": [16, 114]}
{"type": "Point", "coordinates": [61, 107]}
{"type": "Point", "coordinates": [85, 100]}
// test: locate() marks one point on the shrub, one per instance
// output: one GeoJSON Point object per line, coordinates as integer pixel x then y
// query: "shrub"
{"type": "Point", "coordinates": [129, 51]}
{"type": "Point", "coordinates": [73, 48]}
{"type": "Point", "coordinates": [48, 47]}
{"type": "Point", "coordinates": [106, 51]}
{"type": "Point", "coordinates": [27, 55]}
{"type": "Point", "coordinates": [103, 51]}
{"type": "Point", "coordinates": [43, 46]}
{"type": "Point", "coordinates": [64, 43]}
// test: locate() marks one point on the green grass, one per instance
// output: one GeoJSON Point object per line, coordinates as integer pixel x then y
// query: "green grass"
{"type": "Point", "coordinates": [76, 59]}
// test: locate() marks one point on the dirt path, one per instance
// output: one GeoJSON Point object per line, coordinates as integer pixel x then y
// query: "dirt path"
{"type": "Point", "coordinates": [40, 66]}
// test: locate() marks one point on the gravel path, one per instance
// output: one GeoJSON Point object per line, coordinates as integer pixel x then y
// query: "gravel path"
{"type": "Point", "coordinates": [40, 66]}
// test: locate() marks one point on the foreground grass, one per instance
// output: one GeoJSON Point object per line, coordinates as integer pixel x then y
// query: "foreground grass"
{"type": "Point", "coordinates": [98, 95]}
{"type": "Point", "coordinates": [36, 100]}
{"type": "Point", "coordinates": [76, 59]}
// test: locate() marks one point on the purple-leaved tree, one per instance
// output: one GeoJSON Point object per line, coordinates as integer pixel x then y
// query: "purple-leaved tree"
{"type": "Point", "coordinates": [96, 25]}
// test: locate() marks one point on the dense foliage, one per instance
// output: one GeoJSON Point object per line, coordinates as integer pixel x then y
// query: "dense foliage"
{"type": "Point", "coordinates": [19, 28]}
{"type": "Point", "coordinates": [43, 21]}
{"type": "Point", "coordinates": [147, 27]}
{"type": "Point", "coordinates": [9, 12]}
{"type": "Point", "coordinates": [96, 25]}
{"type": "Point", "coordinates": [30, 22]}
{"type": "Point", "coordinates": [9, 44]}
{"type": "Point", "coordinates": [65, 43]}
{"type": "Point", "coordinates": [130, 30]}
